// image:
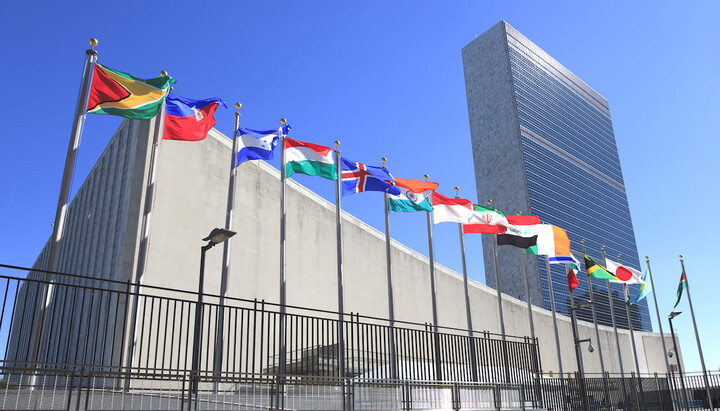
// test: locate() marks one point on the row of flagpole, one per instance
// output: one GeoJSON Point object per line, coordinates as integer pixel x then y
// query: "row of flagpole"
{"type": "Point", "coordinates": [58, 227]}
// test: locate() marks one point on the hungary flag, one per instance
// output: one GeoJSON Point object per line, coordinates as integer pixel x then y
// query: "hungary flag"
{"type": "Point", "coordinates": [681, 287]}
{"type": "Point", "coordinates": [486, 220]}
{"type": "Point", "coordinates": [310, 159]}
{"type": "Point", "coordinates": [120, 94]}
{"type": "Point", "coordinates": [414, 195]}
{"type": "Point", "coordinates": [595, 270]}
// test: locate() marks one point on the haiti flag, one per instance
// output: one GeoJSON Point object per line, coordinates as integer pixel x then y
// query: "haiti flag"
{"type": "Point", "coordinates": [189, 120]}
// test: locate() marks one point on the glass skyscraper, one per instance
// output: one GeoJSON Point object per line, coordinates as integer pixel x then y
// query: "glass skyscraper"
{"type": "Point", "coordinates": [543, 144]}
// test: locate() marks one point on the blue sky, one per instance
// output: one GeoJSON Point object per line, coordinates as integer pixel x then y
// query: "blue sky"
{"type": "Point", "coordinates": [386, 79]}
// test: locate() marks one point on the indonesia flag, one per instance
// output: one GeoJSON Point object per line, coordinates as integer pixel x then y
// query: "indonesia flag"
{"type": "Point", "coordinates": [624, 273]}
{"type": "Point", "coordinates": [189, 120]}
{"type": "Point", "coordinates": [451, 210]}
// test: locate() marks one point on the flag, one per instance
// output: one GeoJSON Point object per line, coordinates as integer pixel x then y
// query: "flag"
{"type": "Point", "coordinates": [572, 280]}
{"type": "Point", "coordinates": [310, 159]}
{"type": "Point", "coordinates": [446, 209]}
{"type": "Point", "coordinates": [522, 231]}
{"type": "Point", "coordinates": [595, 270]}
{"type": "Point", "coordinates": [644, 290]}
{"type": "Point", "coordinates": [414, 195]}
{"type": "Point", "coordinates": [255, 145]}
{"type": "Point", "coordinates": [624, 273]}
{"type": "Point", "coordinates": [681, 287]}
{"type": "Point", "coordinates": [486, 220]}
{"type": "Point", "coordinates": [120, 94]}
{"type": "Point", "coordinates": [553, 242]}
{"type": "Point", "coordinates": [189, 120]}
{"type": "Point", "coordinates": [358, 177]}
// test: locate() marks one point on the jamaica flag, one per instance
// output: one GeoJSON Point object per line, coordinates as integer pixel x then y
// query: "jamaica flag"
{"type": "Point", "coordinates": [120, 94]}
{"type": "Point", "coordinates": [595, 270]}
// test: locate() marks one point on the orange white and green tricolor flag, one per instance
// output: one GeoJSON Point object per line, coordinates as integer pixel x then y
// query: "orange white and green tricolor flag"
{"type": "Point", "coordinates": [121, 94]}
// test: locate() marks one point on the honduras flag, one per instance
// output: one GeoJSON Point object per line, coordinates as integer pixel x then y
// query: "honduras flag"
{"type": "Point", "coordinates": [358, 177]}
{"type": "Point", "coordinates": [255, 145]}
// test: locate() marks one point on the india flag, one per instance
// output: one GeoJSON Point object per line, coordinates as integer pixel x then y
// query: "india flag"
{"type": "Point", "coordinates": [414, 195]}
{"type": "Point", "coordinates": [310, 159]}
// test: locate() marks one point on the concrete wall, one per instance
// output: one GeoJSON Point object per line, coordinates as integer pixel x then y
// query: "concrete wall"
{"type": "Point", "coordinates": [190, 200]}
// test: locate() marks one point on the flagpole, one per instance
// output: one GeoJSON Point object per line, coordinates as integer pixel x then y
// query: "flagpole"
{"type": "Point", "coordinates": [473, 355]}
{"type": "Point", "coordinates": [630, 326]}
{"type": "Point", "coordinates": [75, 135]}
{"type": "Point", "coordinates": [527, 292]}
{"type": "Point", "coordinates": [65, 185]}
{"type": "Point", "coordinates": [226, 245]}
{"type": "Point", "coordinates": [657, 311]}
{"type": "Point", "coordinates": [697, 336]}
{"type": "Point", "coordinates": [391, 300]}
{"type": "Point", "coordinates": [594, 316]}
{"type": "Point", "coordinates": [500, 307]}
{"type": "Point", "coordinates": [612, 315]}
{"type": "Point", "coordinates": [438, 366]}
{"type": "Point", "coordinates": [283, 320]}
{"type": "Point", "coordinates": [554, 314]}
{"type": "Point", "coordinates": [340, 280]}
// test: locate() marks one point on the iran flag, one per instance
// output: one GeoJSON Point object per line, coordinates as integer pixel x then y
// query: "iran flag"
{"type": "Point", "coordinates": [624, 273]}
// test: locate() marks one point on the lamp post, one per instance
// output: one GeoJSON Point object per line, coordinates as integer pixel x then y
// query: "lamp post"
{"type": "Point", "coordinates": [578, 353]}
{"type": "Point", "coordinates": [217, 236]}
{"type": "Point", "coordinates": [677, 354]}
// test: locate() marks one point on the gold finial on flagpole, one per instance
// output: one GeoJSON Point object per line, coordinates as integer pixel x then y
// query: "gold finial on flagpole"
{"type": "Point", "coordinates": [681, 256]}
{"type": "Point", "coordinates": [647, 258]}
{"type": "Point", "coordinates": [238, 106]}
{"type": "Point", "coordinates": [519, 213]}
{"type": "Point", "coordinates": [602, 247]}
{"type": "Point", "coordinates": [337, 144]}
{"type": "Point", "coordinates": [93, 42]}
{"type": "Point", "coordinates": [383, 161]}
{"type": "Point", "coordinates": [426, 177]}
{"type": "Point", "coordinates": [456, 192]}
{"type": "Point", "coordinates": [163, 73]}
{"type": "Point", "coordinates": [582, 241]}
{"type": "Point", "coordinates": [283, 121]}
{"type": "Point", "coordinates": [489, 202]}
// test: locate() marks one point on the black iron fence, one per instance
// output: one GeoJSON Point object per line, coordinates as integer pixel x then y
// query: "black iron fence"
{"type": "Point", "coordinates": [74, 342]}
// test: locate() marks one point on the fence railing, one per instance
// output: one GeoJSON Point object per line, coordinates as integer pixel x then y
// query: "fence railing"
{"type": "Point", "coordinates": [66, 321]}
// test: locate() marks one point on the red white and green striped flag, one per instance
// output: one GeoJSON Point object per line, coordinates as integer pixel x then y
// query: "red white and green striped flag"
{"type": "Point", "coordinates": [681, 287]}
{"type": "Point", "coordinates": [310, 159]}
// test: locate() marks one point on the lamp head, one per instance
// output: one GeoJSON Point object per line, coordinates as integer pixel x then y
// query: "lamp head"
{"type": "Point", "coordinates": [674, 314]}
{"type": "Point", "coordinates": [218, 235]}
{"type": "Point", "coordinates": [591, 349]}
{"type": "Point", "coordinates": [670, 353]}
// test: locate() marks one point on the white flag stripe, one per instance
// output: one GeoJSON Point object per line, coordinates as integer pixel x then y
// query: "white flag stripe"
{"type": "Point", "coordinates": [307, 154]}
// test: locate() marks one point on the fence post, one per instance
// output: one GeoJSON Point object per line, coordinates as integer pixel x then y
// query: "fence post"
{"type": "Point", "coordinates": [498, 398]}
{"type": "Point", "coordinates": [407, 396]}
{"type": "Point", "coordinates": [455, 397]}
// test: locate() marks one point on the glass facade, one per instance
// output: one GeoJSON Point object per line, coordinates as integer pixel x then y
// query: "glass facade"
{"type": "Point", "coordinates": [574, 178]}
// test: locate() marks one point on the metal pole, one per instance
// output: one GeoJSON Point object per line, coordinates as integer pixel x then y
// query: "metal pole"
{"type": "Point", "coordinates": [433, 292]}
{"type": "Point", "coordinates": [283, 320]}
{"type": "Point", "coordinates": [630, 326]}
{"type": "Point", "coordinates": [65, 185]}
{"type": "Point", "coordinates": [657, 311]}
{"type": "Point", "coordinates": [594, 317]}
{"type": "Point", "coordinates": [554, 315]}
{"type": "Point", "coordinates": [697, 336]}
{"type": "Point", "coordinates": [391, 302]}
{"type": "Point", "coordinates": [500, 307]}
{"type": "Point", "coordinates": [578, 353]}
{"type": "Point", "coordinates": [340, 280]}
{"type": "Point", "coordinates": [468, 314]}
{"type": "Point", "coordinates": [197, 340]}
{"type": "Point", "coordinates": [219, 343]}
{"type": "Point", "coordinates": [612, 315]}
{"type": "Point", "coordinates": [527, 293]}
{"type": "Point", "coordinates": [685, 395]}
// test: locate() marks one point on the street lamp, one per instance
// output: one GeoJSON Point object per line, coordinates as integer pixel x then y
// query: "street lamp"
{"type": "Point", "coordinates": [578, 354]}
{"type": "Point", "coordinates": [216, 236]}
{"type": "Point", "coordinates": [675, 349]}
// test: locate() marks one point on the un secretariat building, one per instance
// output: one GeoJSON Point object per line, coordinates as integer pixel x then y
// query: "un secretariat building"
{"type": "Point", "coordinates": [543, 144]}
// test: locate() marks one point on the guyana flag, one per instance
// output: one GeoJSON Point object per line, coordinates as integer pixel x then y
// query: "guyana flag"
{"type": "Point", "coordinates": [595, 270]}
{"type": "Point", "coordinates": [120, 94]}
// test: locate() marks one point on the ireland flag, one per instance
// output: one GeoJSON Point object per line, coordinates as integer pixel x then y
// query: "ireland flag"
{"type": "Point", "coordinates": [310, 159]}
{"type": "Point", "coordinates": [414, 195]}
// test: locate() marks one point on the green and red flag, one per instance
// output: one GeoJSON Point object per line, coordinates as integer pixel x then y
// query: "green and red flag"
{"type": "Point", "coordinates": [681, 287]}
{"type": "Point", "coordinates": [595, 270]}
{"type": "Point", "coordinates": [121, 94]}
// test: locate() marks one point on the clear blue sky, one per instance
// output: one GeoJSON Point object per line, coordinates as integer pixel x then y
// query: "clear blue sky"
{"type": "Point", "coordinates": [386, 79]}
